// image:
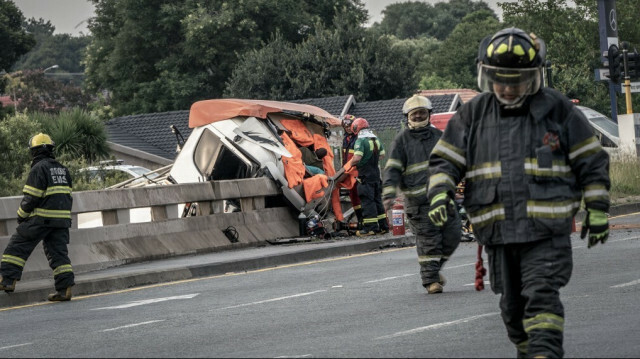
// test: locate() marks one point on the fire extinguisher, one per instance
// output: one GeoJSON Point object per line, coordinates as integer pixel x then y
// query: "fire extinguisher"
{"type": "Point", "coordinates": [397, 219]}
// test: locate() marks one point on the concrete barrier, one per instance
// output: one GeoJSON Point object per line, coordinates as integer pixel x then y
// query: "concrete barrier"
{"type": "Point", "coordinates": [118, 241]}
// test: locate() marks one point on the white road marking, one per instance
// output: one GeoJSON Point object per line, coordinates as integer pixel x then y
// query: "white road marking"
{"type": "Point", "coordinates": [390, 278]}
{"type": "Point", "coordinates": [295, 356]}
{"type": "Point", "coordinates": [133, 325]}
{"type": "Point", "coordinates": [436, 326]}
{"type": "Point", "coordinates": [336, 286]}
{"type": "Point", "coordinates": [470, 284]}
{"type": "Point", "coordinates": [272, 300]}
{"type": "Point", "coordinates": [15, 346]}
{"type": "Point", "coordinates": [609, 241]}
{"type": "Point", "coordinates": [461, 265]}
{"type": "Point", "coordinates": [635, 282]}
{"type": "Point", "coordinates": [148, 301]}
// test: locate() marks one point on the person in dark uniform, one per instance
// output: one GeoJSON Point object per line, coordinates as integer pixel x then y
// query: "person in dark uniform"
{"type": "Point", "coordinates": [366, 157]}
{"type": "Point", "coordinates": [44, 215]}
{"type": "Point", "coordinates": [348, 142]}
{"type": "Point", "coordinates": [408, 168]}
{"type": "Point", "coordinates": [530, 158]}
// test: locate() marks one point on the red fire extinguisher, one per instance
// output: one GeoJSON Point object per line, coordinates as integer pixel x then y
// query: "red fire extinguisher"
{"type": "Point", "coordinates": [397, 219]}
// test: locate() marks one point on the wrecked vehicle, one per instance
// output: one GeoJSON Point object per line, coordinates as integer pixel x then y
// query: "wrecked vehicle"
{"type": "Point", "coordinates": [238, 138]}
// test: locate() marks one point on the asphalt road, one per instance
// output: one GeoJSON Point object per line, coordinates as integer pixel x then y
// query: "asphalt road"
{"type": "Point", "coordinates": [369, 305]}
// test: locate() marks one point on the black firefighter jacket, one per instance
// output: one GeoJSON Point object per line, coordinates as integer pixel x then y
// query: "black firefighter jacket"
{"type": "Point", "coordinates": [408, 164]}
{"type": "Point", "coordinates": [526, 171]}
{"type": "Point", "coordinates": [47, 193]}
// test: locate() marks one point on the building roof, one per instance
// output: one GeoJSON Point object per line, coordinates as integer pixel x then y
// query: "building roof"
{"type": "Point", "coordinates": [151, 133]}
{"type": "Point", "coordinates": [6, 101]}
{"type": "Point", "coordinates": [465, 94]}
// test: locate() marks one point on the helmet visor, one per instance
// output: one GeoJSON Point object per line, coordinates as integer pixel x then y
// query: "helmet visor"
{"type": "Point", "coordinates": [526, 78]}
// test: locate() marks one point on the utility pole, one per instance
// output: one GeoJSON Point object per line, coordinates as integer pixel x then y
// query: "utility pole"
{"type": "Point", "coordinates": [627, 78]}
{"type": "Point", "coordinates": [608, 29]}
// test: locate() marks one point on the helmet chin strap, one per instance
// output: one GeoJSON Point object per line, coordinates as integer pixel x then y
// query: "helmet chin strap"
{"type": "Point", "coordinates": [415, 125]}
{"type": "Point", "coordinates": [517, 103]}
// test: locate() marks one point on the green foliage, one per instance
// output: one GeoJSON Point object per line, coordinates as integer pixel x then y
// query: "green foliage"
{"type": "Point", "coordinates": [332, 62]}
{"type": "Point", "coordinates": [14, 40]}
{"type": "Point", "coordinates": [15, 132]}
{"type": "Point", "coordinates": [63, 50]}
{"type": "Point", "coordinates": [37, 92]}
{"type": "Point", "coordinates": [161, 55]}
{"type": "Point", "coordinates": [453, 64]}
{"type": "Point", "coordinates": [625, 178]}
{"type": "Point", "coordinates": [412, 19]}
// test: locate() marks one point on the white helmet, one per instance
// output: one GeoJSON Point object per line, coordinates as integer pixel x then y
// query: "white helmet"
{"type": "Point", "coordinates": [415, 102]}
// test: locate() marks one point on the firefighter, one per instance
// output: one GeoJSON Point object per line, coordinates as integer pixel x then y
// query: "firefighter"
{"type": "Point", "coordinates": [407, 168]}
{"type": "Point", "coordinates": [348, 142]}
{"type": "Point", "coordinates": [44, 214]}
{"type": "Point", "coordinates": [366, 157]}
{"type": "Point", "coordinates": [530, 157]}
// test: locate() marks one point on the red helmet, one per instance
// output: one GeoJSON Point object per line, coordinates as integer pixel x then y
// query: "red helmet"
{"type": "Point", "coordinates": [359, 124]}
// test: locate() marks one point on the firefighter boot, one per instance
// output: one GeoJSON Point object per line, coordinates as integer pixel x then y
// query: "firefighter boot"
{"type": "Point", "coordinates": [62, 295]}
{"type": "Point", "coordinates": [435, 287]}
{"type": "Point", "coordinates": [8, 284]}
{"type": "Point", "coordinates": [443, 280]}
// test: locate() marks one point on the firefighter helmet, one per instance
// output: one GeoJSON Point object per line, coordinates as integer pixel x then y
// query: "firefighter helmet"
{"type": "Point", "coordinates": [415, 102]}
{"type": "Point", "coordinates": [347, 120]}
{"type": "Point", "coordinates": [41, 139]}
{"type": "Point", "coordinates": [359, 124]}
{"type": "Point", "coordinates": [511, 58]}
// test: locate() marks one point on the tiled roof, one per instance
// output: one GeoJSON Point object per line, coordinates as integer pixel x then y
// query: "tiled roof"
{"type": "Point", "coordinates": [333, 105]}
{"type": "Point", "coordinates": [465, 94]}
{"type": "Point", "coordinates": [151, 132]}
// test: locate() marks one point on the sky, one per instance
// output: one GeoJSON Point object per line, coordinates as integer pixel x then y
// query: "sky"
{"type": "Point", "coordinates": [70, 16]}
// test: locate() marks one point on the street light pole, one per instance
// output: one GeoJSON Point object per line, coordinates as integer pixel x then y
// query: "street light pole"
{"type": "Point", "coordinates": [50, 68]}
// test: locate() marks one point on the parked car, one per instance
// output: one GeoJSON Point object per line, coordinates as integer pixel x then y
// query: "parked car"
{"type": "Point", "coordinates": [110, 174]}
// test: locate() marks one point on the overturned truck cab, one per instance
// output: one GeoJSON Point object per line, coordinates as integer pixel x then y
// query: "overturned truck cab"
{"type": "Point", "coordinates": [239, 138]}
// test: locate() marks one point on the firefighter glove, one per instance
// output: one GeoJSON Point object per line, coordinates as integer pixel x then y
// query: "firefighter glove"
{"type": "Point", "coordinates": [441, 209]}
{"type": "Point", "coordinates": [597, 224]}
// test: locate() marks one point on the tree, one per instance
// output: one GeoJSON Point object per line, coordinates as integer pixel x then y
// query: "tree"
{"type": "Point", "coordinates": [412, 19]}
{"type": "Point", "coordinates": [453, 64]}
{"type": "Point", "coordinates": [161, 55]}
{"type": "Point", "coordinates": [332, 62]}
{"type": "Point", "coordinates": [63, 50]}
{"type": "Point", "coordinates": [571, 36]}
{"type": "Point", "coordinates": [14, 40]}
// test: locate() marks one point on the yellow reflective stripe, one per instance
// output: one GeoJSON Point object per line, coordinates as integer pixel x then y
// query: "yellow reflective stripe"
{"type": "Point", "coordinates": [523, 347]}
{"type": "Point", "coordinates": [558, 169]}
{"type": "Point", "coordinates": [358, 153]}
{"type": "Point", "coordinates": [7, 258]}
{"type": "Point", "coordinates": [32, 191]}
{"type": "Point", "coordinates": [370, 220]}
{"type": "Point", "coordinates": [487, 215]}
{"type": "Point", "coordinates": [22, 213]}
{"type": "Point", "coordinates": [382, 216]}
{"type": "Point", "coordinates": [58, 190]}
{"type": "Point", "coordinates": [417, 167]}
{"type": "Point", "coordinates": [545, 321]}
{"type": "Point", "coordinates": [427, 259]}
{"type": "Point", "coordinates": [585, 148]}
{"type": "Point", "coordinates": [415, 191]}
{"type": "Point", "coordinates": [450, 152]}
{"type": "Point", "coordinates": [52, 213]}
{"type": "Point", "coordinates": [545, 209]}
{"type": "Point", "coordinates": [65, 268]}
{"type": "Point", "coordinates": [485, 171]}
{"type": "Point", "coordinates": [394, 163]}
{"type": "Point", "coordinates": [351, 150]}
{"type": "Point", "coordinates": [388, 190]}
{"type": "Point", "coordinates": [357, 207]}
{"type": "Point", "coordinates": [596, 192]}
{"type": "Point", "coordinates": [441, 178]}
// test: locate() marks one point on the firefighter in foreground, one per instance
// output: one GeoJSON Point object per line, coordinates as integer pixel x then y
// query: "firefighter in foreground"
{"type": "Point", "coordinates": [348, 142]}
{"type": "Point", "coordinates": [529, 157]}
{"type": "Point", "coordinates": [407, 167]}
{"type": "Point", "coordinates": [44, 214]}
{"type": "Point", "coordinates": [366, 157]}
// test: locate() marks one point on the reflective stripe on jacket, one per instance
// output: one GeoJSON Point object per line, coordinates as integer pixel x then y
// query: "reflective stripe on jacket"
{"type": "Point", "coordinates": [526, 171]}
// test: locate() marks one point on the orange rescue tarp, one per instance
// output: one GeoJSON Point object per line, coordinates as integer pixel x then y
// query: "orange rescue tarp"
{"type": "Point", "coordinates": [314, 187]}
{"type": "Point", "coordinates": [299, 132]}
{"type": "Point", "coordinates": [209, 111]}
{"type": "Point", "coordinates": [294, 169]}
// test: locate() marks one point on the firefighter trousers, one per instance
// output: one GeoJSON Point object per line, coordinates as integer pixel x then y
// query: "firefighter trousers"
{"type": "Point", "coordinates": [434, 245]}
{"type": "Point", "coordinates": [374, 218]}
{"type": "Point", "coordinates": [529, 277]}
{"type": "Point", "coordinates": [24, 241]}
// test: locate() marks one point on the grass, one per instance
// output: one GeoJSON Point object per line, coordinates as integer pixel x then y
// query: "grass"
{"type": "Point", "coordinates": [625, 180]}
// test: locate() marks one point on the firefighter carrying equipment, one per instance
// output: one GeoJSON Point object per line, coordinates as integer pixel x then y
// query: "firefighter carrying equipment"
{"type": "Point", "coordinates": [441, 209]}
{"type": "Point", "coordinates": [597, 225]}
